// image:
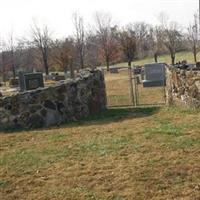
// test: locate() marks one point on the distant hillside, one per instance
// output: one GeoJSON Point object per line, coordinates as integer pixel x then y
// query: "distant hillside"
{"type": "Point", "coordinates": [165, 58]}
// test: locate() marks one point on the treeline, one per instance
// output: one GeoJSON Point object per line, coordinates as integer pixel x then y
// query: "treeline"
{"type": "Point", "coordinates": [104, 44]}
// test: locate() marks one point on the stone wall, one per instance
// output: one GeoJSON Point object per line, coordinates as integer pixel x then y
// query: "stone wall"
{"type": "Point", "coordinates": [70, 100]}
{"type": "Point", "coordinates": [183, 88]}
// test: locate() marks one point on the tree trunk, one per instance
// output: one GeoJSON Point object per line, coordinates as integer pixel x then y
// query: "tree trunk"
{"type": "Point", "coordinates": [13, 65]}
{"type": "Point", "coordinates": [65, 71]}
{"type": "Point", "coordinates": [46, 66]}
{"type": "Point", "coordinates": [3, 67]}
{"type": "Point", "coordinates": [129, 63]}
{"type": "Point", "coordinates": [81, 61]}
{"type": "Point", "coordinates": [156, 57]}
{"type": "Point", "coordinates": [195, 54]}
{"type": "Point", "coordinates": [71, 71]}
{"type": "Point", "coordinates": [107, 64]}
{"type": "Point", "coordinates": [173, 59]}
{"type": "Point", "coordinates": [14, 72]}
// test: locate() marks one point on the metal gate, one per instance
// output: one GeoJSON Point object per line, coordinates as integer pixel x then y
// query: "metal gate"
{"type": "Point", "coordinates": [125, 88]}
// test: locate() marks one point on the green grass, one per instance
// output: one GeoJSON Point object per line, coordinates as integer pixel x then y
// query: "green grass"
{"type": "Point", "coordinates": [164, 58]}
{"type": "Point", "coordinates": [123, 153]}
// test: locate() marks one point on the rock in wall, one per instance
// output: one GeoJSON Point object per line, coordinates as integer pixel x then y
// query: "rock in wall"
{"type": "Point", "coordinates": [183, 88]}
{"type": "Point", "coordinates": [67, 101]}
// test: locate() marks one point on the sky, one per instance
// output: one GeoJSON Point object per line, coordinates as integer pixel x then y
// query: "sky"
{"type": "Point", "coordinates": [16, 16]}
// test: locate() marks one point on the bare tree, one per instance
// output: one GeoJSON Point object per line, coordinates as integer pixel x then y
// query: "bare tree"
{"type": "Point", "coordinates": [172, 39]}
{"type": "Point", "coordinates": [142, 31]}
{"type": "Point", "coordinates": [106, 33]}
{"type": "Point", "coordinates": [2, 44]}
{"type": "Point", "coordinates": [64, 54]}
{"type": "Point", "coordinates": [26, 55]}
{"type": "Point", "coordinates": [11, 47]}
{"type": "Point", "coordinates": [193, 41]}
{"type": "Point", "coordinates": [156, 42]}
{"type": "Point", "coordinates": [79, 38]}
{"type": "Point", "coordinates": [128, 42]}
{"type": "Point", "coordinates": [42, 40]}
{"type": "Point", "coordinates": [8, 55]}
{"type": "Point", "coordinates": [92, 50]}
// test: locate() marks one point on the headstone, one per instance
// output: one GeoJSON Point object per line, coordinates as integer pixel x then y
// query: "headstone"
{"type": "Point", "coordinates": [154, 75]}
{"type": "Point", "coordinates": [142, 74]}
{"type": "Point", "coordinates": [14, 82]}
{"type": "Point", "coordinates": [137, 70]}
{"type": "Point", "coordinates": [184, 62]}
{"type": "Point", "coordinates": [114, 70]}
{"type": "Point", "coordinates": [198, 65]}
{"type": "Point", "coordinates": [48, 77]}
{"type": "Point", "coordinates": [59, 78]}
{"type": "Point", "coordinates": [31, 81]}
{"type": "Point", "coordinates": [190, 66]}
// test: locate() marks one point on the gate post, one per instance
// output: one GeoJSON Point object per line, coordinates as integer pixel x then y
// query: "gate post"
{"type": "Point", "coordinates": [131, 85]}
{"type": "Point", "coordinates": [135, 88]}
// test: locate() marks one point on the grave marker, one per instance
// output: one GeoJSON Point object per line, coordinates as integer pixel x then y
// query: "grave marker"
{"type": "Point", "coordinates": [114, 70]}
{"type": "Point", "coordinates": [14, 82]}
{"type": "Point", "coordinates": [198, 65]}
{"type": "Point", "coordinates": [31, 81]}
{"type": "Point", "coordinates": [154, 75]}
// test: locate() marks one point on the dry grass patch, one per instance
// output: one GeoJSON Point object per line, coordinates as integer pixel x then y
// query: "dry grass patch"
{"type": "Point", "coordinates": [144, 153]}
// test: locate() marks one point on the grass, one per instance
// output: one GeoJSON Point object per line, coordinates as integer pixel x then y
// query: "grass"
{"type": "Point", "coordinates": [123, 153]}
{"type": "Point", "coordinates": [118, 91]}
{"type": "Point", "coordinates": [164, 58]}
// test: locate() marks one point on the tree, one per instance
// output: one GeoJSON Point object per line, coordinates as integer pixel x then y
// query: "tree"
{"type": "Point", "coordinates": [42, 40]}
{"type": "Point", "coordinates": [156, 42]}
{"type": "Point", "coordinates": [8, 56]}
{"type": "Point", "coordinates": [106, 35]}
{"type": "Point", "coordinates": [142, 31]}
{"type": "Point", "coordinates": [2, 60]}
{"type": "Point", "coordinates": [172, 38]}
{"type": "Point", "coordinates": [92, 50]}
{"type": "Point", "coordinates": [79, 38]}
{"type": "Point", "coordinates": [192, 37]}
{"type": "Point", "coordinates": [128, 42]}
{"type": "Point", "coordinates": [64, 54]}
{"type": "Point", "coordinates": [11, 49]}
{"type": "Point", "coordinates": [26, 55]}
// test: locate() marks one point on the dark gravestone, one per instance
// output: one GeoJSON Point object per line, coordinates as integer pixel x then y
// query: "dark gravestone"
{"type": "Point", "coordinates": [14, 82]}
{"type": "Point", "coordinates": [31, 81]}
{"type": "Point", "coordinates": [198, 65]}
{"type": "Point", "coordinates": [137, 70]}
{"type": "Point", "coordinates": [59, 78]}
{"type": "Point", "coordinates": [114, 70]}
{"type": "Point", "coordinates": [48, 77]}
{"type": "Point", "coordinates": [154, 75]}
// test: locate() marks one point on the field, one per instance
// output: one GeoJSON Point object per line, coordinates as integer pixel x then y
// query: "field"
{"type": "Point", "coordinates": [120, 154]}
{"type": "Point", "coordinates": [143, 153]}
{"type": "Point", "coordinates": [165, 58]}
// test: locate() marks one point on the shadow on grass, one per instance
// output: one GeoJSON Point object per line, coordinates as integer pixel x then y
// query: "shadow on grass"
{"type": "Point", "coordinates": [108, 116]}
{"type": "Point", "coordinates": [118, 114]}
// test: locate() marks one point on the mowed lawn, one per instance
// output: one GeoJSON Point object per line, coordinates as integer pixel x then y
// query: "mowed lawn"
{"type": "Point", "coordinates": [165, 58]}
{"type": "Point", "coordinates": [126, 153]}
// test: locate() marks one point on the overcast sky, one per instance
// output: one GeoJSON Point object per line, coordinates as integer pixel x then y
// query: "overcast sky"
{"type": "Point", "coordinates": [17, 15]}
